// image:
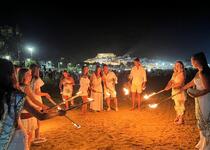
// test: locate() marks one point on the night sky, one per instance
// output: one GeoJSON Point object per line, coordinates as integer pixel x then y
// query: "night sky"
{"type": "Point", "coordinates": [78, 34]}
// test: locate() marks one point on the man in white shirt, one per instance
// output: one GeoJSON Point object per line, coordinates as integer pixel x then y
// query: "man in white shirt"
{"type": "Point", "coordinates": [109, 79]}
{"type": "Point", "coordinates": [138, 82]}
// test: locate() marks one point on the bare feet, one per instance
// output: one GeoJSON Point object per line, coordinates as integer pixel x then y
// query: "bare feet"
{"type": "Point", "coordinates": [176, 119]}
{"type": "Point", "coordinates": [180, 121]}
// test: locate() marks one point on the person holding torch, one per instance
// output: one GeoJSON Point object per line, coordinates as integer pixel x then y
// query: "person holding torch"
{"type": "Point", "coordinates": [176, 83]}
{"type": "Point", "coordinates": [109, 80]}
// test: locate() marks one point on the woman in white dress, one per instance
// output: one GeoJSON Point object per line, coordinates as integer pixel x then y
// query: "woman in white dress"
{"type": "Point", "coordinates": [201, 93]}
{"type": "Point", "coordinates": [96, 90]}
{"type": "Point", "coordinates": [84, 87]}
{"type": "Point", "coordinates": [176, 83]}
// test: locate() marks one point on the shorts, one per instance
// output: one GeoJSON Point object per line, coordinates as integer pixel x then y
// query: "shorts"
{"type": "Point", "coordinates": [136, 88]}
{"type": "Point", "coordinates": [110, 93]}
{"type": "Point", "coordinates": [30, 124]}
{"type": "Point", "coordinates": [67, 93]}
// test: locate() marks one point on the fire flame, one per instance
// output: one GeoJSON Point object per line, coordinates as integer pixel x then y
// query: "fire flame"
{"type": "Point", "coordinates": [153, 106]}
{"type": "Point", "coordinates": [108, 94]}
{"type": "Point", "coordinates": [59, 108]}
{"type": "Point", "coordinates": [90, 99]}
{"type": "Point", "coordinates": [126, 91]}
{"type": "Point", "coordinates": [148, 96]}
{"type": "Point", "coordinates": [78, 93]}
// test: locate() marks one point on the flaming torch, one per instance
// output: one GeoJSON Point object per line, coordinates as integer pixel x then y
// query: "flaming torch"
{"type": "Point", "coordinates": [148, 96]}
{"type": "Point", "coordinates": [153, 106]}
{"type": "Point", "coordinates": [70, 99]}
{"type": "Point", "coordinates": [126, 91]}
{"type": "Point", "coordinates": [164, 100]}
{"type": "Point", "coordinates": [153, 94]}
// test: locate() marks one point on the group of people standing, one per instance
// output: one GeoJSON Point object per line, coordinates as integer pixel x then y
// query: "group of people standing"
{"type": "Point", "coordinates": [21, 106]}
{"type": "Point", "coordinates": [100, 84]}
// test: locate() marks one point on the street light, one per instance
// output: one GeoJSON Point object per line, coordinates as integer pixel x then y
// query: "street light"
{"type": "Point", "coordinates": [30, 49]}
{"type": "Point", "coordinates": [8, 57]}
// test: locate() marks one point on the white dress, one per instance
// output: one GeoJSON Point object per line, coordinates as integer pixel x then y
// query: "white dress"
{"type": "Point", "coordinates": [37, 84]}
{"type": "Point", "coordinates": [179, 99]}
{"type": "Point", "coordinates": [202, 110]}
{"type": "Point", "coordinates": [84, 85]}
{"type": "Point", "coordinates": [97, 94]}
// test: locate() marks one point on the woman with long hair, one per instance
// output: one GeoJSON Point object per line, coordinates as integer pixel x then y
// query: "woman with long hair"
{"type": "Point", "coordinates": [176, 83]}
{"type": "Point", "coordinates": [12, 102]}
{"type": "Point", "coordinates": [36, 84]}
{"type": "Point", "coordinates": [29, 122]}
{"type": "Point", "coordinates": [96, 90]}
{"type": "Point", "coordinates": [201, 93]}
{"type": "Point", "coordinates": [84, 87]}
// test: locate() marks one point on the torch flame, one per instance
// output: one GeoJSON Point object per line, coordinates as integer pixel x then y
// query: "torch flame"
{"type": "Point", "coordinates": [78, 93]}
{"type": "Point", "coordinates": [90, 99]}
{"type": "Point", "coordinates": [153, 106]}
{"type": "Point", "coordinates": [148, 96]}
{"type": "Point", "coordinates": [108, 94]}
{"type": "Point", "coordinates": [59, 108]}
{"type": "Point", "coordinates": [126, 91]}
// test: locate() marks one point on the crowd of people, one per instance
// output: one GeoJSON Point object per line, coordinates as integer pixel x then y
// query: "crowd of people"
{"type": "Point", "coordinates": [22, 108]}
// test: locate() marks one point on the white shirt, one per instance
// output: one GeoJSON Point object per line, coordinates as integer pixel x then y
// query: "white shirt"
{"type": "Point", "coordinates": [138, 75]}
{"type": "Point", "coordinates": [110, 79]}
{"type": "Point", "coordinates": [84, 84]}
{"type": "Point", "coordinates": [37, 84]}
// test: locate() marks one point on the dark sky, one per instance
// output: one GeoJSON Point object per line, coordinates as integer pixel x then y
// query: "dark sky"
{"type": "Point", "coordinates": [78, 34]}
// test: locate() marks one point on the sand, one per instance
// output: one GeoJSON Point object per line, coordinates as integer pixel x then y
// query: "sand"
{"type": "Point", "coordinates": [128, 130]}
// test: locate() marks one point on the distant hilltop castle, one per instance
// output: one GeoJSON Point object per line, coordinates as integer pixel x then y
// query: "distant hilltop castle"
{"type": "Point", "coordinates": [109, 59]}
{"type": "Point", "coordinates": [105, 55]}
{"type": "Point", "coordinates": [126, 60]}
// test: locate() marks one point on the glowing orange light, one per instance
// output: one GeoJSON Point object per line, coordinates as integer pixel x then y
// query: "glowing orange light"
{"type": "Point", "coordinates": [126, 91]}
{"type": "Point", "coordinates": [108, 94]}
{"type": "Point", "coordinates": [78, 93]}
{"type": "Point", "coordinates": [90, 99]}
{"type": "Point", "coordinates": [148, 96]}
{"type": "Point", "coordinates": [153, 106]}
{"type": "Point", "coordinates": [59, 108]}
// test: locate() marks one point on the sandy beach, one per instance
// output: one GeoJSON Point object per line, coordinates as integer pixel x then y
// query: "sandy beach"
{"type": "Point", "coordinates": [129, 130]}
